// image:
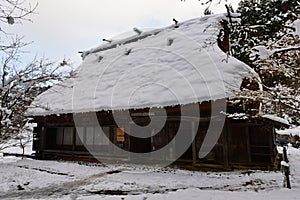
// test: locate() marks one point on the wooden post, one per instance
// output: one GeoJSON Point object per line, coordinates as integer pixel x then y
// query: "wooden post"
{"type": "Point", "coordinates": [74, 141]}
{"type": "Point", "coordinates": [272, 146]}
{"type": "Point", "coordinates": [194, 143]}
{"type": "Point", "coordinates": [225, 144]}
{"type": "Point", "coordinates": [287, 176]}
{"type": "Point", "coordinates": [127, 140]}
{"type": "Point", "coordinates": [248, 143]}
{"type": "Point", "coordinates": [42, 143]}
{"type": "Point", "coordinates": [286, 169]}
{"type": "Point", "coordinates": [285, 155]}
{"type": "Point", "coordinates": [229, 149]}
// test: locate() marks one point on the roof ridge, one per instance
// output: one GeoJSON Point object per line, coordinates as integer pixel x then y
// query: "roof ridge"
{"type": "Point", "coordinates": [143, 35]}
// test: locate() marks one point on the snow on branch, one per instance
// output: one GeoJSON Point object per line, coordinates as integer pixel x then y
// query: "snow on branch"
{"type": "Point", "coordinates": [283, 50]}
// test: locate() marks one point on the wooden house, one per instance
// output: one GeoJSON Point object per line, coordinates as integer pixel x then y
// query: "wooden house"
{"type": "Point", "coordinates": [168, 86]}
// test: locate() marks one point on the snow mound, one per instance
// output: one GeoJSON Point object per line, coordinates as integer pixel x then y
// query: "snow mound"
{"type": "Point", "coordinates": [176, 65]}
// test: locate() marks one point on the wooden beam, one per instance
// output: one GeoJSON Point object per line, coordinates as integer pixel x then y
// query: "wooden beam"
{"type": "Point", "coordinates": [272, 145]}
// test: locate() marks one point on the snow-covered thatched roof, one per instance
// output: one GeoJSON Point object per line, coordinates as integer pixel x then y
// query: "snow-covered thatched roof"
{"type": "Point", "coordinates": [275, 119]}
{"type": "Point", "coordinates": [174, 65]}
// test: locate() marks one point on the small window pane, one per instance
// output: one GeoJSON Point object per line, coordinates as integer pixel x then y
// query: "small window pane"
{"type": "Point", "coordinates": [105, 139]}
{"type": "Point", "coordinates": [90, 135]}
{"type": "Point", "coordinates": [79, 135]}
{"type": "Point", "coordinates": [100, 137]}
{"type": "Point", "coordinates": [59, 136]}
{"type": "Point", "coordinates": [68, 136]}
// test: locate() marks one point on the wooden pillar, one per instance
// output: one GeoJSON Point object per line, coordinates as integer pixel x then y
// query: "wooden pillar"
{"type": "Point", "coordinates": [228, 141]}
{"type": "Point", "coordinates": [248, 142]}
{"type": "Point", "coordinates": [74, 141]}
{"type": "Point", "coordinates": [194, 150]}
{"type": "Point", "coordinates": [272, 145]}
{"type": "Point", "coordinates": [127, 139]}
{"type": "Point", "coordinates": [42, 144]}
{"type": "Point", "coordinates": [225, 144]}
{"type": "Point", "coordinates": [286, 169]}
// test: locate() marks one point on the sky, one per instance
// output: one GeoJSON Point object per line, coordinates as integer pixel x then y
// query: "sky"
{"type": "Point", "coordinates": [61, 28]}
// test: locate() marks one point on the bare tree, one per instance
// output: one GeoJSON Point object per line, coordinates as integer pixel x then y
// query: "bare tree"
{"type": "Point", "coordinates": [13, 12]}
{"type": "Point", "coordinates": [19, 84]}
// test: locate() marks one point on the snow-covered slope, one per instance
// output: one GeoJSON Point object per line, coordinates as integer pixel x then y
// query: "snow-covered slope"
{"type": "Point", "coordinates": [163, 67]}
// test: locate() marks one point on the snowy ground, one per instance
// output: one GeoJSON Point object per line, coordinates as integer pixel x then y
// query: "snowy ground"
{"type": "Point", "coordinates": [34, 179]}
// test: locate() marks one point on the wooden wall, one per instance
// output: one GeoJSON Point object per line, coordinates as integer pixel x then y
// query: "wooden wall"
{"type": "Point", "coordinates": [245, 142]}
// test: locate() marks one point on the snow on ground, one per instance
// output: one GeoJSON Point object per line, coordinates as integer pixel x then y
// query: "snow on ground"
{"type": "Point", "coordinates": [18, 150]}
{"type": "Point", "coordinates": [13, 146]}
{"type": "Point", "coordinates": [36, 179]}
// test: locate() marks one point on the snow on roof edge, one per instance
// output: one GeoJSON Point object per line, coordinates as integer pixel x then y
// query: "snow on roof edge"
{"type": "Point", "coordinates": [100, 109]}
{"type": "Point", "coordinates": [276, 119]}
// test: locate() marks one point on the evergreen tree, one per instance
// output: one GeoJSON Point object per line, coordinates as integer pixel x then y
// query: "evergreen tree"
{"type": "Point", "coordinates": [265, 39]}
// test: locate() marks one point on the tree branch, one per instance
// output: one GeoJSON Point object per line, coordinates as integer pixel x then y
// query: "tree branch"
{"type": "Point", "coordinates": [283, 50]}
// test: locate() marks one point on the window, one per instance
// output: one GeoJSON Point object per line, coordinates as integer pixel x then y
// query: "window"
{"type": "Point", "coordinates": [79, 136]}
{"type": "Point", "coordinates": [95, 135]}
{"type": "Point", "coordinates": [64, 136]}
{"type": "Point", "coordinates": [60, 136]}
{"type": "Point", "coordinates": [92, 135]}
{"type": "Point", "coordinates": [89, 135]}
{"type": "Point", "coordinates": [68, 136]}
{"type": "Point", "coordinates": [101, 136]}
